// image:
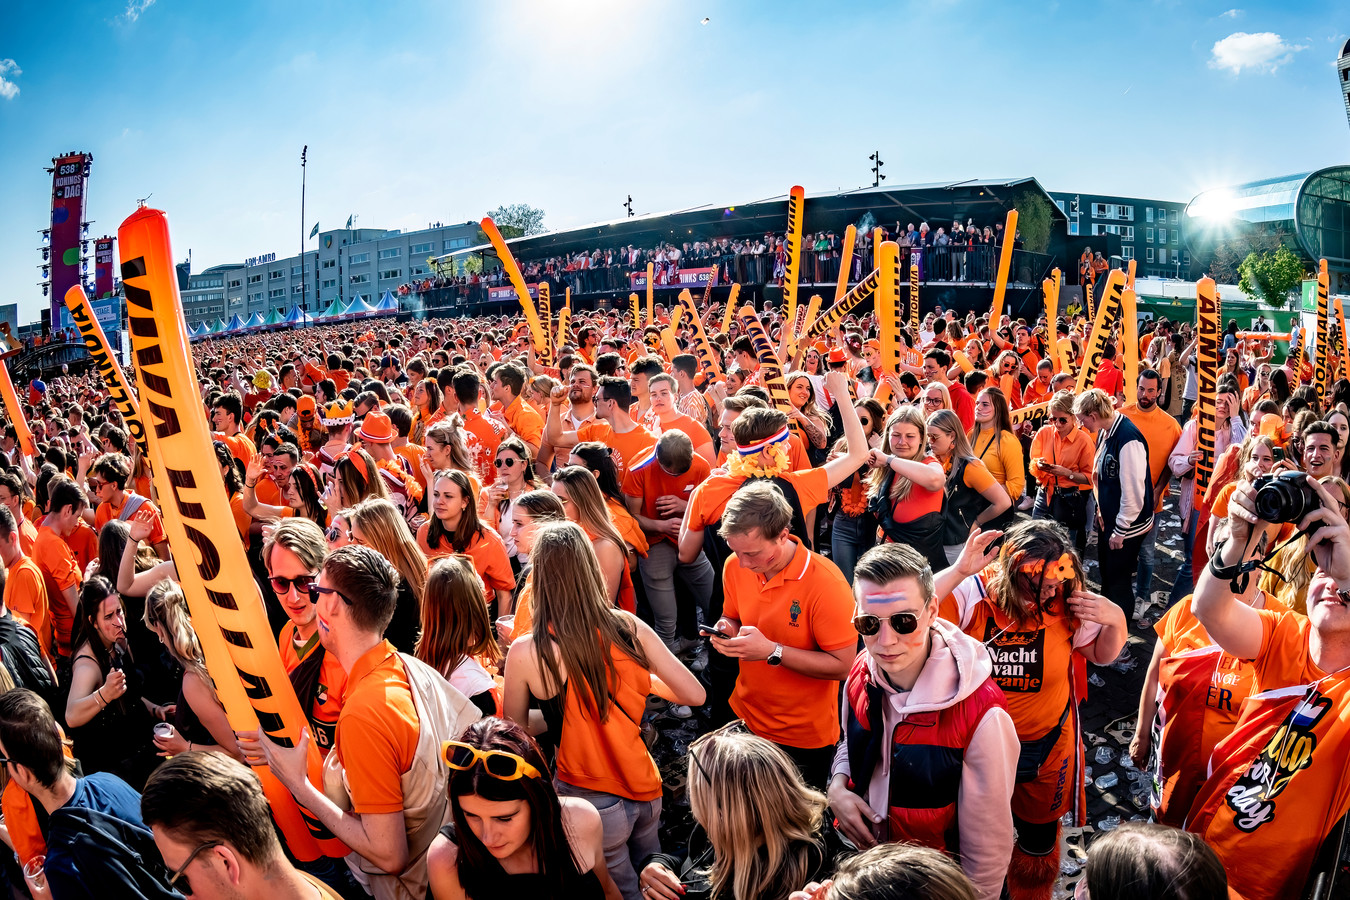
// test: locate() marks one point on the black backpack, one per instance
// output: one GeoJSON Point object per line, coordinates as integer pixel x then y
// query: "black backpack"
{"type": "Point", "coordinates": [716, 547]}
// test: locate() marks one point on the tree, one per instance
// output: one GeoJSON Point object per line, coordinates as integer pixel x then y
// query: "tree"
{"type": "Point", "coordinates": [1271, 274]}
{"type": "Point", "coordinates": [1226, 263]}
{"type": "Point", "coordinates": [1034, 220]}
{"type": "Point", "coordinates": [518, 220]}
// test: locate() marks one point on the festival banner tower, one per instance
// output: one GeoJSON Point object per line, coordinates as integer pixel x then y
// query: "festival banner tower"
{"type": "Point", "coordinates": [64, 256]}
{"type": "Point", "coordinates": [103, 268]}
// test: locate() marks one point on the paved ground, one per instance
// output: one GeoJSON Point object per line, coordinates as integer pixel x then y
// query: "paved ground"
{"type": "Point", "coordinates": [1108, 725]}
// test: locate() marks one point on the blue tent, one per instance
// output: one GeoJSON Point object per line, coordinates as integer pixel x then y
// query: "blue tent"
{"type": "Point", "coordinates": [387, 304]}
{"type": "Point", "coordinates": [235, 323]}
{"type": "Point", "coordinates": [255, 321]}
{"type": "Point", "coordinates": [297, 317]}
{"type": "Point", "coordinates": [357, 309]}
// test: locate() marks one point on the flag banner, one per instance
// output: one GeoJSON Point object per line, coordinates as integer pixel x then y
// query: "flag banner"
{"type": "Point", "coordinates": [103, 269]}
{"type": "Point", "coordinates": [1005, 253]}
{"type": "Point", "coordinates": [226, 609]}
{"type": "Point", "coordinates": [913, 303]}
{"type": "Point", "coordinates": [792, 249]}
{"type": "Point", "coordinates": [1101, 330]}
{"type": "Point", "coordinates": [97, 344]}
{"type": "Point", "coordinates": [703, 348]}
{"type": "Point", "coordinates": [314, 231]}
{"type": "Point", "coordinates": [70, 179]}
{"type": "Point", "coordinates": [845, 266]}
{"type": "Point", "coordinates": [1321, 371]}
{"type": "Point", "coordinates": [770, 368]}
{"type": "Point", "coordinates": [1129, 336]}
{"type": "Point", "coordinates": [1207, 364]}
{"type": "Point", "coordinates": [890, 314]}
{"type": "Point", "coordinates": [683, 278]}
{"type": "Point", "coordinates": [503, 292]}
{"type": "Point", "coordinates": [844, 305]}
{"type": "Point", "coordinates": [546, 319]}
{"type": "Point", "coordinates": [537, 336]}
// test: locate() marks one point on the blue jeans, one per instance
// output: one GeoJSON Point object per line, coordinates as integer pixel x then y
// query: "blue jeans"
{"type": "Point", "coordinates": [1148, 553]}
{"type": "Point", "coordinates": [630, 833]}
{"type": "Point", "coordinates": [1185, 583]}
{"type": "Point", "coordinates": [849, 539]}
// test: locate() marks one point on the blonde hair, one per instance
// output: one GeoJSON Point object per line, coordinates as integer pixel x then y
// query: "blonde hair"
{"type": "Point", "coordinates": [947, 421]}
{"type": "Point", "coordinates": [386, 532]}
{"type": "Point", "coordinates": [574, 623]}
{"type": "Point", "coordinates": [166, 607]}
{"type": "Point", "coordinates": [760, 816]}
{"type": "Point", "coordinates": [1062, 402]}
{"type": "Point", "coordinates": [1094, 402]}
{"type": "Point", "coordinates": [900, 485]}
{"type": "Point", "coordinates": [449, 433]}
{"type": "Point", "coordinates": [592, 513]}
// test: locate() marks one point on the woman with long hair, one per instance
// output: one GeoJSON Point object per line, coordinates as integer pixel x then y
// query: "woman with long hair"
{"type": "Point", "coordinates": [591, 668]}
{"type": "Point", "coordinates": [355, 478]}
{"type": "Point", "coordinates": [596, 456]}
{"type": "Point", "coordinates": [426, 404]}
{"type": "Point", "coordinates": [1031, 593]}
{"type": "Point", "coordinates": [106, 710]}
{"type": "Point", "coordinates": [378, 524]}
{"type": "Point", "coordinates": [972, 496]}
{"type": "Point", "coordinates": [807, 414]}
{"type": "Point", "coordinates": [905, 487]}
{"type": "Point", "coordinates": [853, 527]}
{"type": "Point", "coordinates": [515, 475]}
{"type": "Point", "coordinates": [996, 446]}
{"type": "Point", "coordinates": [1244, 462]}
{"type": "Point", "coordinates": [580, 496]}
{"type": "Point", "coordinates": [1003, 374]}
{"type": "Point", "coordinates": [758, 828]}
{"type": "Point", "coordinates": [1339, 420]}
{"type": "Point", "coordinates": [457, 636]}
{"type": "Point", "coordinates": [533, 509]}
{"type": "Point", "coordinates": [512, 835]}
{"type": "Point", "coordinates": [935, 397]}
{"type": "Point", "coordinates": [447, 448]}
{"type": "Point", "coordinates": [198, 717]}
{"type": "Point", "coordinates": [454, 527]}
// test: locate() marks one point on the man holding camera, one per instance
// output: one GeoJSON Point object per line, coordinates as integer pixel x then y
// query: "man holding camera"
{"type": "Point", "coordinates": [1277, 783]}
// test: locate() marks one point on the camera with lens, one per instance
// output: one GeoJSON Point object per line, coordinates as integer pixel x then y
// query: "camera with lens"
{"type": "Point", "coordinates": [1285, 497]}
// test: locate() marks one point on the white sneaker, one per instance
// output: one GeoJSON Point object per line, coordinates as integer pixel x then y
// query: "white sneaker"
{"type": "Point", "coordinates": [680, 712]}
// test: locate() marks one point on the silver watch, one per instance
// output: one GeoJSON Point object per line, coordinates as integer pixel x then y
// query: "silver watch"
{"type": "Point", "coordinates": [776, 657]}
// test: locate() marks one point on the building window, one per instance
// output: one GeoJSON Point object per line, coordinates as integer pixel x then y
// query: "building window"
{"type": "Point", "coordinates": [415, 271]}
{"type": "Point", "coordinates": [1162, 235]}
{"type": "Point", "coordinates": [277, 273]}
{"type": "Point", "coordinates": [1060, 204]}
{"type": "Point", "coordinates": [363, 278]}
{"type": "Point", "coordinates": [328, 283]}
{"type": "Point", "coordinates": [358, 258]}
{"type": "Point", "coordinates": [391, 253]}
{"type": "Point", "coordinates": [420, 248]}
{"type": "Point", "coordinates": [391, 273]}
{"type": "Point", "coordinates": [1162, 256]}
{"type": "Point", "coordinates": [1148, 255]}
{"type": "Point", "coordinates": [456, 243]}
{"type": "Point", "coordinates": [236, 302]}
{"type": "Point", "coordinates": [1176, 232]}
{"type": "Point", "coordinates": [235, 284]}
{"type": "Point", "coordinates": [1149, 235]}
{"type": "Point", "coordinates": [328, 263]}
{"type": "Point", "coordinates": [276, 293]}
{"type": "Point", "coordinates": [1126, 251]}
{"type": "Point", "coordinates": [1148, 213]}
{"type": "Point", "coordinates": [1162, 215]}
{"type": "Point", "coordinates": [298, 289]}
{"type": "Point", "coordinates": [1073, 226]}
{"type": "Point", "coordinates": [254, 279]}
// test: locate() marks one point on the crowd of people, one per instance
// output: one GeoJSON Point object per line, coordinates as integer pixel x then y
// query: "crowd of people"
{"type": "Point", "coordinates": [495, 577]}
{"type": "Point", "coordinates": [959, 252]}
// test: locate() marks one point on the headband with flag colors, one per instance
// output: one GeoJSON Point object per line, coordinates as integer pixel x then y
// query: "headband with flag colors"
{"type": "Point", "coordinates": [752, 449]}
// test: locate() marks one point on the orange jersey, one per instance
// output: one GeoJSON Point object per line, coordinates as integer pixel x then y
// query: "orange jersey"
{"type": "Point", "coordinates": [629, 444]}
{"type": "Point", "coordinates": [710, 498]}
{"type": "Point", "coordinates": [323, 715]}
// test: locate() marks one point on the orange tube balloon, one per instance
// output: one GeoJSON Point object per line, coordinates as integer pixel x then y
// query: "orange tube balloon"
{"type": "Point", "coordinates": [537, 336]}
{"type": "Point", "coordinates": [707, 359]}
{"type": "Point", "coordinates": [1101, 330]}
{"type": "Point", "coordinates": [97, 344]}
{"type": "Point", "coordinates": [16, 413]}
{"type": "Point", "coordinates": [226, 608]}
{"type": "Point", "coordinates": [845, 265]}
{"type": "Point", "coordinates": [651, 287]}
{"type": "Point", "coordinates": [792, 271]}
{"type": "Point", "coordinates": [1207, 362]}
{"type": "Point", "coordinates": [731, 307]}
{"type": "Point", "coordinates": [1004, 266]}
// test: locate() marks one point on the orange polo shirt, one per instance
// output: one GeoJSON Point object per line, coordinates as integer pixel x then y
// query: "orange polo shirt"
{"type": "Point", "coordinates": [710, 498]}
{"type": "Point", "coordinates": [26, 597]}
{"type": "Point", "coordinates": [809, 606]}
{"type": "Point", "coordinates": [380, 726]}
{"type": "Point", "coordinates": [630, 444]}
{"type": "Point", "coordinates": [647, 480]}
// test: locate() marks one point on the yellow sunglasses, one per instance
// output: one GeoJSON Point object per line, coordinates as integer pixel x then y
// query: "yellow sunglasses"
{"type": "Point", "coordinates": [497, 763]}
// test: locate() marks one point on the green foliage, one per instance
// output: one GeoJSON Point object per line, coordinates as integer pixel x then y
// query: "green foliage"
{"type": "Point", "coordinates": [1035, 217]}
{"type": "Point", "coordinates": [1225, 266]}
{"type": "Point", "coordinates": [518, 220]}
{"type": "Point", "coordinates": [1271, 274]}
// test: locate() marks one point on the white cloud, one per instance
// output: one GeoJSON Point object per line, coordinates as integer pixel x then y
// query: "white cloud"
{"type": "Point", "coordinates": [8, 89]}
{"type": "Point", "coordinates": [1264, 52]}
{"type": "Point", "coordinates": [135, 8]}
{"type": "Point", "coordinates": [1230, 14]}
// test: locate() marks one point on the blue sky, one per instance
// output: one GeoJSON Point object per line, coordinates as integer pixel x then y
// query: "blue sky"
{"type": "Point", "coordinates": [423, 111]}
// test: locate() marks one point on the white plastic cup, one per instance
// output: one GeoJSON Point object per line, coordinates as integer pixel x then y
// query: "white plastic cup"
{"type": "Point", "coordinates": [163, 730]}
{"type": "Point", "coordinates": [34, 872]}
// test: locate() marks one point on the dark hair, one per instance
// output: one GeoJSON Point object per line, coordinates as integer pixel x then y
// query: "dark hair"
{"type": "Point", "coordinates": [92, 594]}
{"type": "Point", "coordinates": [469, 526]}
{"type": "Point", "coordinates": [479, 871]}
{"type": "Point", "coordinates": [686, 363]}
{"type": "Point", "coordinates": [1321, 427]}
{"type": "Point", "coordinates": [199, 797]}
{"type": "Point", "coordinates": [232, 404]}
{"type": "Point", "coordinates": [510, 375]}
{"type": "Point", "coordinates": [1144, 861]}
{"type": "Point", "coordinates": [618, 390]}
{"type": "Point", "coordinates": [113, 467]}
{"type": "Point", "coordinates": [598, 459]}
{"type": "Point", "coordinates": [467, 385]}
{"type": "Point", "coordinates": [30, 734]}
{"type": "Point", "coordinates": [65, 492]}
{"type": "Point", "coordinates": [647, 365]}
{"type": "Point", "coordinates": [7, 524]}
{"type": "Point", "coordinates": [233, 483]}
{"type": "Point", "coordinates": [368, 583]}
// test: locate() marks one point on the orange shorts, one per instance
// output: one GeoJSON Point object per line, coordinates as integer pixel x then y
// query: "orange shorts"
{"type": "Point", "coordinates": [1056, 788]}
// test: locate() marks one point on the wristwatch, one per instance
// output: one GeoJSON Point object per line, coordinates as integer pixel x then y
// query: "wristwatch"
{"type": "Point", "coordinates": [776, 657]}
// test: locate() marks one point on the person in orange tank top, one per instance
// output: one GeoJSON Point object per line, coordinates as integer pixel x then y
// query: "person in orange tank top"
{"type": "Point", "coordinates": [580, 494]}
{"type": "Point", "coordinates": [1027, 603]}
{"type": "Point", "coordinates": [591, 667]}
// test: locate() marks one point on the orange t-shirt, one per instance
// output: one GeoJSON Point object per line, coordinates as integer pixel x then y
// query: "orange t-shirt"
{"type": "Point", "coordinates": [629, 444]}
{"type": "Point", "coordinates": [146, 512]}
{"type": "Point", "coordinates": [710, 498]}
{"type": "Point", "coordinates": [1161, 433]}
{"type": "Point", "coordinates": [482, 439]}
{"type": "Point", "coordinates": [1035, 392]}
{"type": "Point", "coordinates": [267, 492]}
{"type": "Point", "coordinates": [60, 572]}
{"type": "Point", "coordinates": [323, 715]}
{"type": "Point", "coordinates": [627, 526]}
{"type": "Point", "coordinates": [647, 480]}
{"type": "Point", "coordinates": [486, 549]}
{"type": "Point", "coordinates": [83, 542]}
{"type": "Point", "coordinates": [808, 605]}
{"type": "Point", "coordinates": [525, 422]}
{"type": "Point", "coordinates": [27, 536]}
{"type": "Point", "coordinates": [412, 455]}
{"type": "Point", "coordinates": [698, 435]}
{"type": "Point", "coordinates": [241, 446]}
{"type": "Point", "coordinates": [379, 722]}
{"type": "Point", "coordinates": [26, 597]}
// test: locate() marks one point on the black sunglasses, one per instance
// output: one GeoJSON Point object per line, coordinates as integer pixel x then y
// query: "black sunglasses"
{"type": "Point", "coordinates": [301, 584]}
{"type": "Point", "coordinates": [1062, 420]}
{"type": "Point", "coordinates": [505, 463]}
{"type": "Point", "coordinates": [315, 592]}
{"type": "Point", "coordinates": [178, 880]}
{"type": "Point", "coordinates": [901, 623]}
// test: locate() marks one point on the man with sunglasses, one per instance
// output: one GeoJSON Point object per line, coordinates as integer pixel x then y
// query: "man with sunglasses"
{"type": "Point", "coordinates": [385, 762]}
{"type": "Point", "coordinates": [96, 842]}
{"type": "Point", "coordinates": [921, 700]}
{"type": "Point", "coordinates": [213, 828]}
{"type": "Point", "coordinates": [109, 477]}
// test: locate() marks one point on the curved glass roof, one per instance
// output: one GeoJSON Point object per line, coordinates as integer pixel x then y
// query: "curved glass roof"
{"type": "Point", "coordinates": [1313, 206]}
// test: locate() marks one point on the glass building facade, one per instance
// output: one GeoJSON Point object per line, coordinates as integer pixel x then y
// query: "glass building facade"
{"type": "Point", "coordinates": [1311, 209]}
